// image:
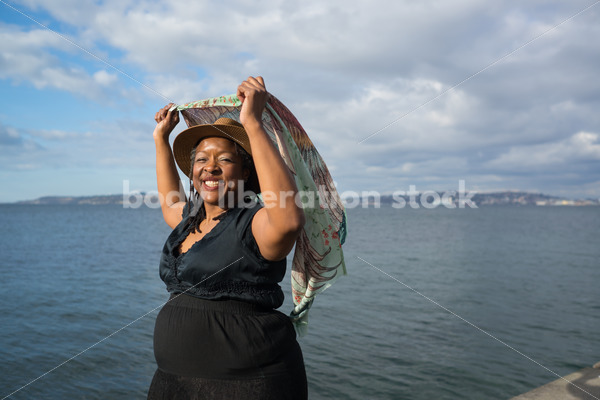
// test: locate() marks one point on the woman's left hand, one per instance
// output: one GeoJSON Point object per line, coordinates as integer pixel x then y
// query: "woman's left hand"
{"type": "Point", "coordinates": [253, 94]}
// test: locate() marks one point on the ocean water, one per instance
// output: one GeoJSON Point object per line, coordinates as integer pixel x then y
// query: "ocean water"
{"type": "Point", "coordinates": [447, 304]}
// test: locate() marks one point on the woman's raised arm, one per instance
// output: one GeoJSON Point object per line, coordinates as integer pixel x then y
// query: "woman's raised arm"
{"type": "Point", "coordinates": [277, 226]}
{"type": "Point", "coordinates": [170, 192]}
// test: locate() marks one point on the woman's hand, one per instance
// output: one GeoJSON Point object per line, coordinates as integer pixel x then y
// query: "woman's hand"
{"type": "Point", "coordinates": [253, 94]}
{"type": "Point", "coordinates": [166, 121]}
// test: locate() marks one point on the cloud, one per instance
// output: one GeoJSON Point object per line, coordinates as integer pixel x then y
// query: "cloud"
{"type": "Point", "coordinates": [10, 136]}
{"type": "Point", "coordinates": [73, 12]}
{"type": "Point", "coordinates": [334, 49]}
{"type": "Point", "coordinates": [346, 71]}
{"type": "Point", "coordinates": [18, 150]}
{"type": "Point", "coordinates": [104, 78]}
{"type": "Point", "coordinates": [119, 144]}
{"type": "Point", "coordinates": [36, 57]}
{"type": "Point", "coordinates": [582, 147]}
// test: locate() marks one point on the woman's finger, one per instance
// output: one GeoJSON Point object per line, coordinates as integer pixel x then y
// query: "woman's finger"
{"type": "Point", "coordinates": [240, 92]}
{"type": "Point", "coordinates": [256, 82]}
{"type": "Point", "coordinates": [253, 84]}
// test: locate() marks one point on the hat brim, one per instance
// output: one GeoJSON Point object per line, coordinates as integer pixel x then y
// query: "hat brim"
{"type": "Point", "coordinates": [187, 139]}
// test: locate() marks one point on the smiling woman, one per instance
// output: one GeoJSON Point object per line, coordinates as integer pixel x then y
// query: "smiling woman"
{"type": "Point", "coordinates": [219, 335]}
{"type": "Point", "coordinates": [218, 172]}
{"type": "Point", "coordinates": [227, 142]}
{"type": "Point", "coordinates": [219, 167]}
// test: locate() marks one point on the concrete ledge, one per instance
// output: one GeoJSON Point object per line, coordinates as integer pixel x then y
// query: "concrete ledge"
{"type": "Point", "coordinates": [585, 380]}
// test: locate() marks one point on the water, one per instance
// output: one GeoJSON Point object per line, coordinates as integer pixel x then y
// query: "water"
{"type": "Point", "coordinates": [527, 276]}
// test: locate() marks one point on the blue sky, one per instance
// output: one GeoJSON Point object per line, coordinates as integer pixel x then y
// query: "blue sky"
{"type": "Point", "coordinates": [73, 125]}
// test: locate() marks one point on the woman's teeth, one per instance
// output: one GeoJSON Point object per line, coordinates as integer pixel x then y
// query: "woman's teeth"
{"type": "Point", "coordinates": [211, 183]}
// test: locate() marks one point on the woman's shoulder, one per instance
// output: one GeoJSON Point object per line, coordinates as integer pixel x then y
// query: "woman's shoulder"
{"type": "Point", "coordinates": [246, 211]}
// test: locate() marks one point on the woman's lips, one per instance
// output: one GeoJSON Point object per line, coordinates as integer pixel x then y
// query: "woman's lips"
{"type": "Point", "coordinates": [211, 185]}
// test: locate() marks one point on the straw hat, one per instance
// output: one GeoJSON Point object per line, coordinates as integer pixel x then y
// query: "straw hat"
{"type": "Point", "coordinates": [223, 127]}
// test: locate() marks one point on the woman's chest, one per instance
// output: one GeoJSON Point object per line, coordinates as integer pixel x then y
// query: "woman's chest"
{"type": "Point", "coordinates": [190, 240]}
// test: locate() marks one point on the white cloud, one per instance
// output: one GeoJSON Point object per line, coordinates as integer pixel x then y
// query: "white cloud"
{"type": "Point", "coordinates": [23, 54]}
{"type": "Point", "coordinates": [122, 144]}
{"type": "Point", "coordinates": [347, 71]}
{"type": "Point", "coordinates": [9, 136]}
{"type": "Point", "coordinates": [581, 147]}
{"type": "Point", "coordinates": [386, 118]}
{"type": "Point", "coordinates": [34, 57]}
{"type": "Point", "coordinates": [73, 12]}
{"type": "Point", "coordinates": [105, 78]}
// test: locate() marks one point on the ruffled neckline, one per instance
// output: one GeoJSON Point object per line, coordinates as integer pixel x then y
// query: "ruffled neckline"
{"type": "Point", "coordinates": [183, 234]}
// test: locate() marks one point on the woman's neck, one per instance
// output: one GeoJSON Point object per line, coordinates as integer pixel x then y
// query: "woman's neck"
{"type": "Point", "coordinates": [213, 211]}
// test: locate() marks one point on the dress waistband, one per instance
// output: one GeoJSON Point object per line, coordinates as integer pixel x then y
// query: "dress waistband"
{"type": "Point", "coordinates": [224, 305]}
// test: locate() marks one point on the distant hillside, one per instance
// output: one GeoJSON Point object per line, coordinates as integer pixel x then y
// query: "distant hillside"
{"type": "Point", "coordinates": [77, 200]}
{"type": "Point", "coordinates": [528, 199]}
{"type": "Point", "coordinates": [507, 198]}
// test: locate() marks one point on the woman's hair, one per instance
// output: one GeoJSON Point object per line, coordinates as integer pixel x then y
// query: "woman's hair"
{"type": "Point", "coordinates": [196, 205]}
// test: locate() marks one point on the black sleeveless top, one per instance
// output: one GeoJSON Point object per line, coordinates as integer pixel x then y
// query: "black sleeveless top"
{"type": "Point", "coordinates": [225, 264]}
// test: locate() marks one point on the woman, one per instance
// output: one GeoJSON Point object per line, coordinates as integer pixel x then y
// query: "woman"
{"type": "Point", "coordinates": [219, 336]}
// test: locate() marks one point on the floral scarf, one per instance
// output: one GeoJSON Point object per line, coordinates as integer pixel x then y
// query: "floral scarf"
{"type": "Point", "coordinates": [318, 258]}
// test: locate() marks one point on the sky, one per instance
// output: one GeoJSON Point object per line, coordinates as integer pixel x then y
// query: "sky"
{"type": "Point", "coordinates": [502, 95]}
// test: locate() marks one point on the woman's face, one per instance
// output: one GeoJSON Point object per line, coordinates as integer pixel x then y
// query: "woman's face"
{"type": "Point", "coordinates": [217, 169]}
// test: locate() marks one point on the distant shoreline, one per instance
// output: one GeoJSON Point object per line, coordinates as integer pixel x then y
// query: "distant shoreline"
{"type": "Point", "coordinates": [116, 199]}
{"type": "Point", "coordinates": [505, 198]}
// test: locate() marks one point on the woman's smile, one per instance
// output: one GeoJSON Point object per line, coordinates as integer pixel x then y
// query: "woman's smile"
{"type": "Point", "coordinates": [211, 185]}
{"type": "Point", "coordinates": [217, 168]}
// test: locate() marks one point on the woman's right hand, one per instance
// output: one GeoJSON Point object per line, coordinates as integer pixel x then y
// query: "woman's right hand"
{"type": "Point", "coordinates": [166, 121]}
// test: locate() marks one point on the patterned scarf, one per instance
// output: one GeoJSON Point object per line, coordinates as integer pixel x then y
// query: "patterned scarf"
{"type": "Point", "coordinates": [318, 258]}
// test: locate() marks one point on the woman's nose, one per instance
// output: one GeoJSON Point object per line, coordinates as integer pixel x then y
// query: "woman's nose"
{"type": "Point", "coordinates": [211, 166]}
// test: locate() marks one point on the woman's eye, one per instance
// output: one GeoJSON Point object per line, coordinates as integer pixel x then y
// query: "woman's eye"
{"type": "Point", "coordinates": [200, 160]}
{"type": "Point", "coordinates": [225, 159]}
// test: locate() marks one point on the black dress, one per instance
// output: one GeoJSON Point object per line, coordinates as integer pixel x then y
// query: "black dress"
{"type": "Point", "coordinates": [219, 335]}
